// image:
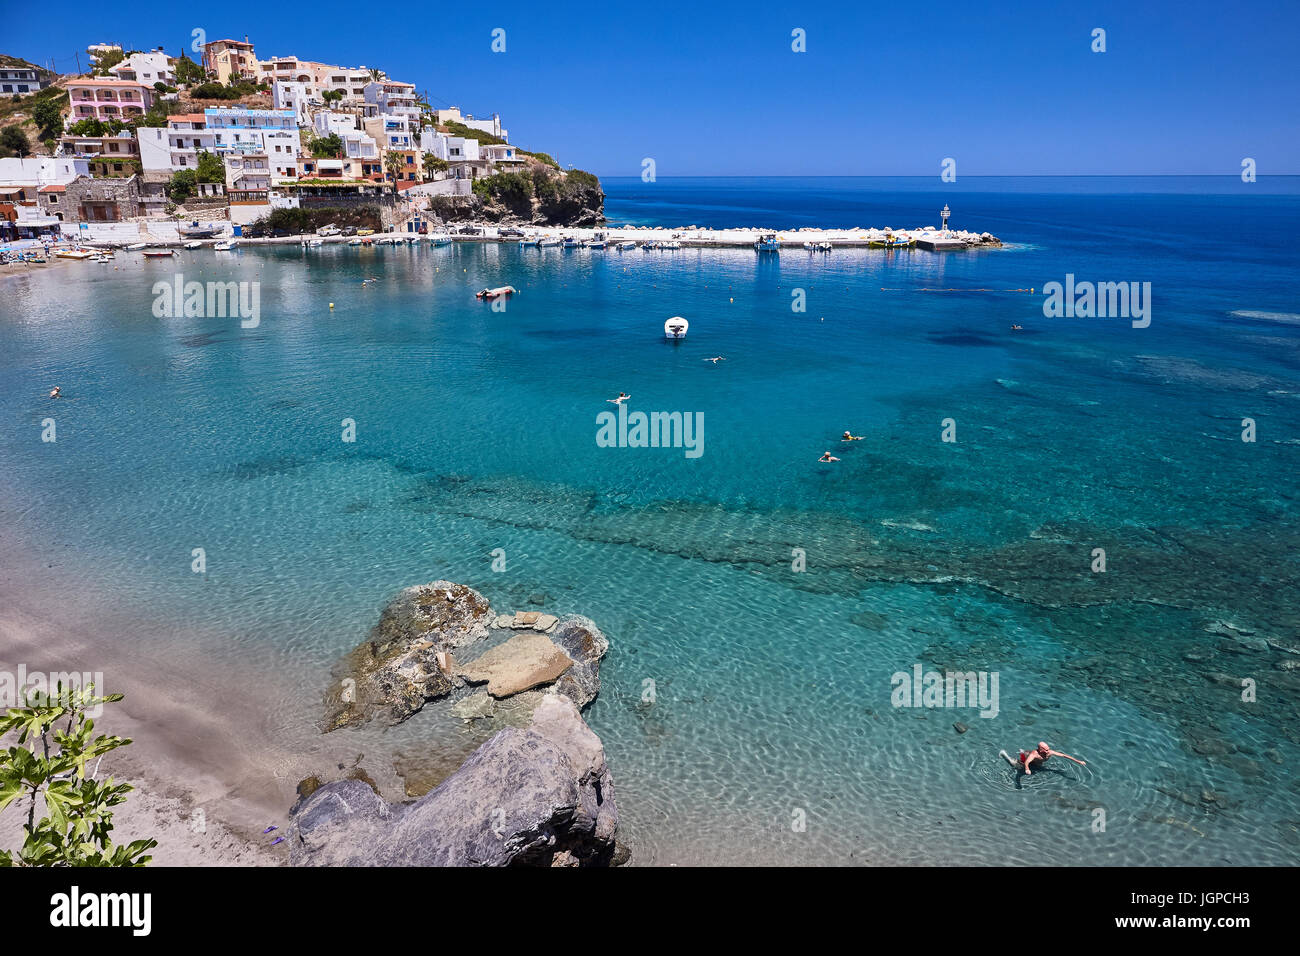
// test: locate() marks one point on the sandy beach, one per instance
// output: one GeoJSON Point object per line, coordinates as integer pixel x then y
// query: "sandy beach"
{"type": "Point", "coordinates": [204, 773]}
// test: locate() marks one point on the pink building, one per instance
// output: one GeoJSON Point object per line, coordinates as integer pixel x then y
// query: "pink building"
{"type": "Point", "coordinates": [109, 99]}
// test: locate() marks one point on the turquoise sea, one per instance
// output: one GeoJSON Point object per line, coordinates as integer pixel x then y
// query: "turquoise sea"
{"type": "Point", "coordinates": [771, 736]}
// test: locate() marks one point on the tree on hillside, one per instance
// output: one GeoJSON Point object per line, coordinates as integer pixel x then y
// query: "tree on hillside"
{"type": "Point", "coordinates": [109, 60]}
{"type": "Point", "coordinates": [432, 164]}
{"type": "Point", "coordinates": [327, 147]}
{"type": "Point", "coordinates": [13, 142]}
{"type": "Point", "coordinates": [48, 114]}
{"type": "Point", "coordinates": [187, 71]}
{"type": "Point", "coordinates": [210, 168]}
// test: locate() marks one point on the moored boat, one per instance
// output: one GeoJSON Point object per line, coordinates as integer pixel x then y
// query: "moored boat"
{"type": "Point", "coordinates": [439, 239]}
{"type": "Point", "coordinates": [675, 328]}
{"type": "Point", "coordinates": [767, 242]}
{"type": "Point", "coordinates": [159, 253]}
{"type": "Point", "coordinates": [225, 246]}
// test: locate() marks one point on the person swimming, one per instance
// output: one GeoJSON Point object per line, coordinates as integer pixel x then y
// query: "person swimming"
{"type": "Point", "coordinates": [622, 397]}
{"type": "Point", "coordinates": [715, 360]}
{"type": "Point", "coordinates": [827, 456]}
{"type": "Point", "coordinates": [849, 436]}
{"type": "Point", "coordinates": [1039, 753]}
{"type": "Point", "coordinates": [56, 391]}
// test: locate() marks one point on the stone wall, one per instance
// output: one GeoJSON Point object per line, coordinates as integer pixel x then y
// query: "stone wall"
{"type": "Point", "coordinates": [121, 197]}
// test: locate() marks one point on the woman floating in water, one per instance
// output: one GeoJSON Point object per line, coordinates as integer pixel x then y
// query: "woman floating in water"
{"type": "Point", "coordinates": [849, 436]}
{"type": "Point", "coordinates": [622, 397]}
{"type": "Point", "coordinates": [1040, 753]}
{"type": "Point", "coordinates": [54, 392]}
{"type": "Point", "coordinates": [827, 456]}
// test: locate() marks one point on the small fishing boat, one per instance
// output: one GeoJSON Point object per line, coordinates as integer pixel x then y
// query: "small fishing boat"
{"type": "Point", "coordinates": [355, 241]}
{"type": "Point", "coordinates": [817, 246]}
{"type": "Point", "coordinates": [626, 246]}
{"type": "Point", "coordinates": [498, 292]}
{"type": "Point", "coordinates": [159, 253]}
{"type": "Point", "coordinates": [136, 246]}
{"type": "Point", "coordinates": [767, 242]}
{"type": "Point", "coordinates": [194, 244]}
{"type": "Point", "coordinates": [594, 244]}
{"type": "Point", "coordinates": [440, 239]}
{"type": "Point", "coordinates": [77, 254]}
{"type": "Point", "coordinates": [670, 244]}
{"type": "Point", "coordinates": [196, 228]}
{"type": "Point", "coordinates": [546, 241]}
{"type": "Point", "coordinates": [313, 243]}
{"type": "Point", "coordinates": [571, 243]}
{"type": "Point", "coordinates": [650, 245]}
{"type": "Point", "coordinates": [675, 328]}
{"type": "Point", "coordinates": [225, 246]}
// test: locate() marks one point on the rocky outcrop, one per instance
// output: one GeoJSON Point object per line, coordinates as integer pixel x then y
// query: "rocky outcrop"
{"type": "Point", "coordinates": [410, 658]}
{"type": "Point", "coordinates": [406, 660]}
{"type": "Point", "coordinates": [539, 796]}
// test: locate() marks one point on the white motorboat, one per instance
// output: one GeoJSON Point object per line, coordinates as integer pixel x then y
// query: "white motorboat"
{"type": "Point", "coordinates": [548, 241]}
{"type": "Point", "coordinates": [594, 244]}
{"type": "Point", "coordinates": [670, 244]}
{"type": "Point", "coordinates": [354, 241]}
{"type": "Point", "coordinates": [136, 246]}
{"type": "Point", "coordinates": [440, 239]}
{"type": "Point", "coordinates": [675, 328]}
{"type": "Point", "coordinates": [225, 246]}
{"type": "Point", "coordinates": [625, 246]}
{"type": "Point", "coordinates": [194, 244]}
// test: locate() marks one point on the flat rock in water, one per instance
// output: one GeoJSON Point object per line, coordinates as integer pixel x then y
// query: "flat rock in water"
{"type": "Point", "coordinates": [521, 663]}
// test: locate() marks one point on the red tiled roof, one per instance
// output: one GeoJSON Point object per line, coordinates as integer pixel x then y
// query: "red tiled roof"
{"type": "Point", "coordinates": [53, 188]}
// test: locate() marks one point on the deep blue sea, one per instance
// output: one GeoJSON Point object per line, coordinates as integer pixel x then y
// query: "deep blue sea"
{"type": "Point", "coordinates": [772, 736]}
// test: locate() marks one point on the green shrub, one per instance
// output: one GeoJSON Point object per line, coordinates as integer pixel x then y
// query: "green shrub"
{"type": "Point", "coordinates": [50, 764]}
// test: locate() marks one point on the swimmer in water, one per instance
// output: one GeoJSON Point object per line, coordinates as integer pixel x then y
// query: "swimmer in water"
{"type": "Point", "coordinates": [1017, 328]}
{"type": "Point", "coordinates": [622, 397]}
{"type": "Point", "coordinates": [827, 456]}
{"type": "Point", "coordinates": [54, 392]}
{"type": "Point", "coordinates": [715, 360]}
{"type": "Point", "coordinates": [849, 436]}
{"type": "Point", "coordinates": [1040, 753]}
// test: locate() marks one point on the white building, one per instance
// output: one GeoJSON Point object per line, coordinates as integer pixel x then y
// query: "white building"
{"type": "Point", "coordinates": [177, 145]}
{"type": "Point", "coordinates": [297, 96]}
{"type": "Point", "coordinates": [393, 97]}
{"type": "Point", "coordinates": [454, 149]}
{"type": "Point", "coordinates": [146, 68]}
{"type": "Point", "coordinates": [327, 122]}
{"type": "Point", "coordinates": [37, 171]}
{"type": "Point", "coordinates": [19, 81]}
{"type": "Point", "coordinates": [273, 133]}
{"type": "Point", "coordinates": [491, 126]}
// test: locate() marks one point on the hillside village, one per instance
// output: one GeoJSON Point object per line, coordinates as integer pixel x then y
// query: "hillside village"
{"type": "Point", "coordinates": [269, 146]}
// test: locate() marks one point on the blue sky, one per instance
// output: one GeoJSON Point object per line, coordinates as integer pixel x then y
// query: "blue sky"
{"type": "Point", "coordinates": [1006, 88]}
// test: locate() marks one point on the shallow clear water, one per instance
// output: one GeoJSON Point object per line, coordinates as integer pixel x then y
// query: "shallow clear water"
{"type": "Point", "coordinates": [476, 431]}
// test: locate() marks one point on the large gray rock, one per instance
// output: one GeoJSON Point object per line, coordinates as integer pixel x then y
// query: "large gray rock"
{"type": "Point", "coordinates": [405, 661]}
{"type": "Point", "coordinates": [582, 640]}
{"type": "Point", "coordinates": [540, 796]}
